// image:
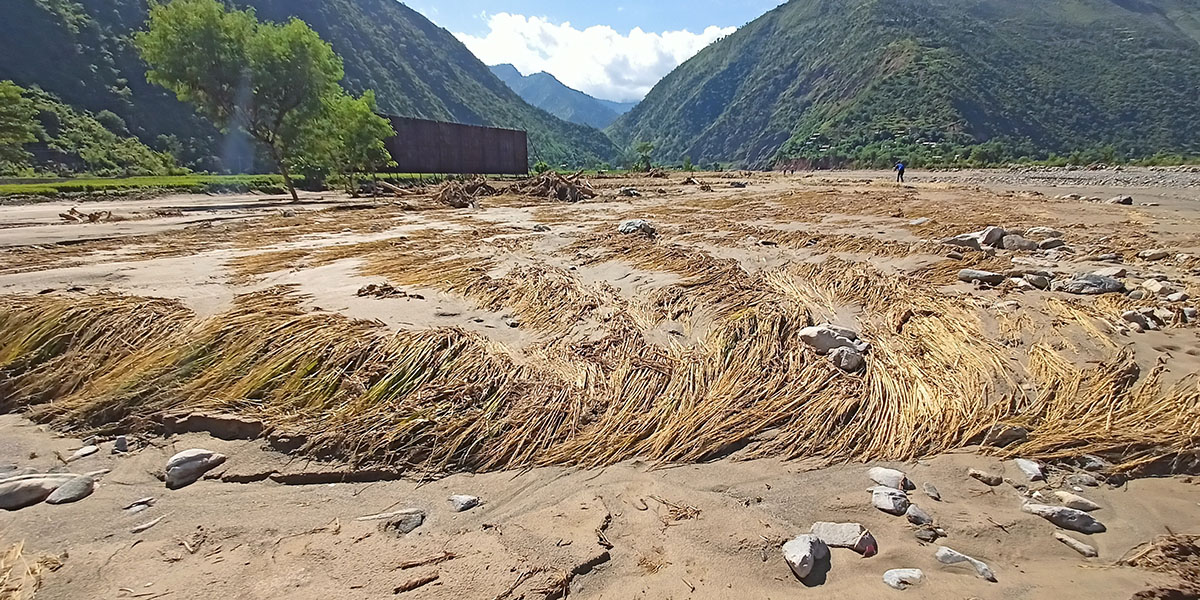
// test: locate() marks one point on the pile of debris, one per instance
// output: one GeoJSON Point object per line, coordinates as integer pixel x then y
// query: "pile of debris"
{"type": "Point", "coordinates": [657, 174]}
{"type": "Point", "coordinates": [554, 186]}
{"type": "Point", "coordinates": [103, 216]}
{"type": "Point", "coordinates": [465, 195]}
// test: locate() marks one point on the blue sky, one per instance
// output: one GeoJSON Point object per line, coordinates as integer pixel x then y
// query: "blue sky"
{"type": "Point", "coordinates": [663, 15]}
{"type": "Point", "coordinates": [611, 50]}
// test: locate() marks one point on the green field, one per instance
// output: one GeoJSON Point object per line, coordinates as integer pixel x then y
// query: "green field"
{"type": "Point", "coordinates": [124, 185]}
{"type": "Point", "coordinates": [214, 184]}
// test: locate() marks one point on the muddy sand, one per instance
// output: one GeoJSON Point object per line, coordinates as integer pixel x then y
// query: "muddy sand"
{"type": "Point", "coordinates": [637, 413]}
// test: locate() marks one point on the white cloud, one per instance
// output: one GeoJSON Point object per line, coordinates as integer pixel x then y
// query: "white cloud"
{"type": "Point", "coordinates": [597, 60]}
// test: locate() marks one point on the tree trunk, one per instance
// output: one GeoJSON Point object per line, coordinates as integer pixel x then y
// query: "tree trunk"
{"type": "Point", "coordinates": [283, 170]}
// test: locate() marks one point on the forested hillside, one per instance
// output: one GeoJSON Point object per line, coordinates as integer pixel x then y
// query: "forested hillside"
{"type": "Point", "coordinates": [81, 53]}
{"type": "Point", "coordinates": [929, 81]}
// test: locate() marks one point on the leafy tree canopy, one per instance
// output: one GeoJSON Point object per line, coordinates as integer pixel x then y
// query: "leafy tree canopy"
{"type": "Point", "coordinates": [277, 82]}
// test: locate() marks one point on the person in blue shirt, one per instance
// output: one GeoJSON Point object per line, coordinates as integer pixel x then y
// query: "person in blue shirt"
{"type": "Point", "coordinates": [900, 172]}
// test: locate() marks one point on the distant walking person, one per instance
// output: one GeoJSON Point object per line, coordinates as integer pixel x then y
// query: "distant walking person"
{"type": "Point", "coordinates": [900, 172]}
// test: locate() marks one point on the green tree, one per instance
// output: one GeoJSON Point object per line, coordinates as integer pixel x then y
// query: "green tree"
{"type": "Point", "coordinates": [18, 126]}
{"type": "Point", "coordinates": [269, 80]}
{"type": "Point", "coordinates": [541, 166]}
{"type": "Point", "coordinates": [643, 151]}
{"type": "Point", "coordinates": [346, 139]}
{"type": "Point", "coordinates": [687, 164]}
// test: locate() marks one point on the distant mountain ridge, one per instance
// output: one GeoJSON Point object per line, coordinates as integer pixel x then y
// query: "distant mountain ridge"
{"type": "Point", "coordinates": [546, 92]}
{"type": "Point", "coordinates": [872, 81]}
{"type": "Point", "coordinates": [80, 52]}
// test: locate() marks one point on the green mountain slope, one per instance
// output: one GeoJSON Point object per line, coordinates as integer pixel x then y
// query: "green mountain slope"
{"type": "Point", "coordinates": [546, 92]}
{"type": "Point", "coordinates": [930, 80]}
{"type": "Point", "coordinates": [81, 53]}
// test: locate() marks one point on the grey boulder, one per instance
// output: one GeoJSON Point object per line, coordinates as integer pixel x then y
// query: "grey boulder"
{"type": "Point", "coordinates": [73, 490]}
{"type": "Point", "coordinates": [1067, 518]}
{"type": "Point", "coordinates": [947, 556]}
{"type": "Point", "coordinates": [826, 338]}
{"type": "Point", "coordinates": [1089, 284]}
{"type": "Point", "coordinates": [803, 552]}
{"type": "Point", "coordinates": [846, 535]}
{"type": "Point", "coordinates": [20, 491]}
{"type": "Point", "coordinates": [916, 516]}
{"type": "Point", "coordinates": [1016, 242]}
{"type": "Point", "coordinates": [633, 226]}
{"type": "Point", "coordinates": [889, 500]}
{"type": "Point", "coordinates": [403, 522]}
{"type": "Point", "coordinates": [462, 502]}
{"type": "Point", "coordinates": [974, 275]}
{"type": "Point", "coordinates": [186, 467]}
{"type": "Point", "coordinates": [902, 578]}
{"type": "Point", "coordinates": [890, 478]}
{"type": "Point", "coordinates": [1075, 501]}
{"type": "Point", "coordinates": [848, 359]}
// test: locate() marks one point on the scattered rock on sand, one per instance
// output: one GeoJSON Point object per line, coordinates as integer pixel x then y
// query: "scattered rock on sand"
{"type": "Point", "coordinates": [1016, 242]}
{"type": "Point", "coordinates": [889, 500]}
{"type": "Point", "coordinates": [928, 535]}
{"type": "Point", "coordinates": [1067, 518]}
{"type": "Point", "coordinates": [1158, 288]}
{"type": "Point", "coordinates": [1114, 272]}
{"type": "Point", "coordinates": [541, 228]}
{"type": "Point", "coordinates": [1076, 502]}
{"type": "Point", "coordinates": [462, 502]}
{"type": "Point", "coordinates": [1076, 545]}
{"type": "Point", "coordinates": [1178, 297]}
{"type": "Point", "coordinates": [187, 466]}
{"type": "Point", "coordinates": [403, 522]}
{"type": "Point", "coordinates": [1143, 322]}
{"type": "Point", "coordinates": [973, 275]}
{"type": "Point", "coordinates": [1031, 469]}
{"type": "Point", "coordinates": [1122, 200]}
{"type": "Point", "coordinates": [1089, 284]}
{"type": "Point", "coordinates": [1190, 314]}
{"type": "Point", "coordinates": [632, 226]}
{"type": "Point", "coordinates": [630, 193]}
{"type": "Point", "coordinates": [902, 578]}
{"type": "Point", "coordinates": [1138, 295]}
{"type": "Point", "coordinates": [1082, 479]}
{"type": "Point", "coordinates": [966, 240]}
{"type": "Point", "coordinates": [985, 477]}
{"type": "Point", "coordinates": [73, 490]}
{"type": "Point", "coordinates": [916, 516]}
{"type": "Point", "coordinates": [19, 491]}
{"type": "Point", "coordinates": [919, 221]}
{"type": "Point", "coordinates": [803, 553]}
{"type": "Point", "coordinates": [1041, 233]}
{"type": "Point", "coordinates": [1040, 282]}
{"type": "Point", "coordinates": [1051, 243]}
{"type": "Point", "coordinates": [826, 338]}
{"type": "Point", "coordinates": [1154, 254]}
{"type": "Point", "coordinates": [120, 444]}
{"type": "Point", "coordinates": [890, 478]}
{"type": "Point", "coordinates": [946, 556]}
{"type": "Point", "coordinates": [848, 359]}
{"type": "Point", "coordinates": [846, 535]}
{"type": "Point", "coordinates": [931, 491]}
{"type": "Point", "coordinates": [83, 452]}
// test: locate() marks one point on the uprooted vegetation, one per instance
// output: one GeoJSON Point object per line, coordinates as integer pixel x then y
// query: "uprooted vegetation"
{"type": "Point", "coordinates": [594, 385]}
{"type": "Point", "coordinates": [554, 186]}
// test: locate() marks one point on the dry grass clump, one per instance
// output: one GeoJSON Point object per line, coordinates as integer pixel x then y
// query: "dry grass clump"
{"type": "Point", "coordinates": [20, 577]}
{"type": "Point", "coordinates": [595, 386]}
{"type": "Point", "coordinates": [445, 399]}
